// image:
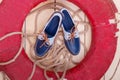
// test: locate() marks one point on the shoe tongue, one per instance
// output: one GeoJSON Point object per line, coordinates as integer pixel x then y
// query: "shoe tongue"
{"type": "Point", "coordinates": [72, 30]}
{"type": "Point", "coordinates": [48, 36]}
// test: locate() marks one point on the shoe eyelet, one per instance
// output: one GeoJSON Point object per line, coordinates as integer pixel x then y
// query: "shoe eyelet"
{"type": "Point", "coordinates": [40, 37]}
{"type": "Point", "coordinates": [47, 43]}
{"type": "Point", "coordinates": [69, 38]}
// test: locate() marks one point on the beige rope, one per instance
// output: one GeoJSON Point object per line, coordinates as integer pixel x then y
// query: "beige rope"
{"type": "Point", "coordinates": [52, 55]}
{"type": "Point", "coordinates": [49, 57]}
{"type": "Point", "coordinates": [52, 61]}
{"type": "Point", "coordinates": [58, 56]}
{"type": "Point", "coordinates": [19, 51]}
{"type": "Point", "coordinates": [33, 71]}
{"type": "Point", "coordinates": [10, 34]}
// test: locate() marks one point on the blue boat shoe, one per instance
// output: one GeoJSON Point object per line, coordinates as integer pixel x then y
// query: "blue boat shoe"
{"type": "Point", "coordinates": [71, 35]}
{"type": "Point", "coordinates": [46, 38]}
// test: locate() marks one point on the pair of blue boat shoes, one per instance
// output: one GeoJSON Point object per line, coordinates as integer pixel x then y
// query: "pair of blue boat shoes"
{"type": "Point", "coordinates": [46, 38]}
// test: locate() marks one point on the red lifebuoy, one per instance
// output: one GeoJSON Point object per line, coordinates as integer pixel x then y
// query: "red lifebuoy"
{"type": "Point", "coordinates": [95, 64]}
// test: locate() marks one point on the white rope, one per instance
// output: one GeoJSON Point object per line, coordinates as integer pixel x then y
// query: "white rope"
{"type": "Point", "coordinates": [19, 51]}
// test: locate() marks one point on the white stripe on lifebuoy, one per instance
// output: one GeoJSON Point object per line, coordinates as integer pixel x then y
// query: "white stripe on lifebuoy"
{"type": "Point", "coordinates": [99, 56]}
